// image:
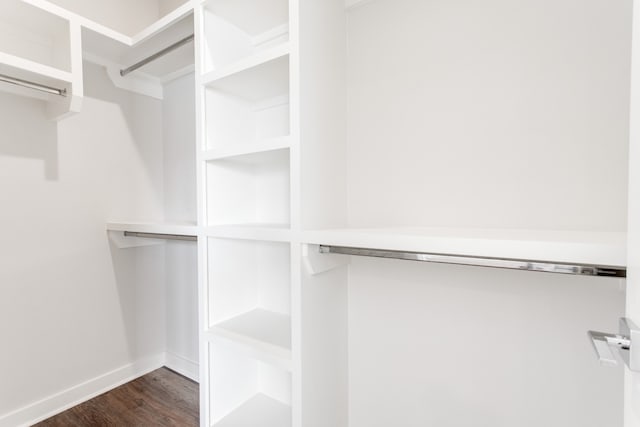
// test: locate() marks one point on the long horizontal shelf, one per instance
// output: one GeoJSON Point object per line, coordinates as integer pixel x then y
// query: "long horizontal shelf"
{"type": "Point", "coordinates": [263, 330]}
{"type": "Point", "coordinates": [271, 144]}
{"type": "Point", "coordinates": [562, 247]}
{"type": "Point", "coordinates": [265, 232]}
{"type": "Point", "coordinates": [260, 410]}
{"type": "Point", "coordinates": [180, 229]}
{"type": "Point", "coordinates": [24, 69]}
{"type": "Point", "coordinates": [248, 63]}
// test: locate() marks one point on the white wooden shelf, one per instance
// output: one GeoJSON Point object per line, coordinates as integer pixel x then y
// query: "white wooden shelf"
{"type": "Point", "coordinates": [28, 70]}
{"type": "Point", "coordinates": [264, 80]}
{"type": "Point", "coordinates": [590, 248]}
{"type": "Point", "coordinates": [225, 152]}
{"type": "Point", "coordinates": [257, 231]}
{"type": "Point", "coordinates": [260, 410]}
{"type": "Point", "coordinates": [260, 231]}
{"type": "Point", "coordinates": [186, 229]}
{"type": "Point", "coordinates": [264, 330]}
{"type": "Point", "coordinates": [253, 61]}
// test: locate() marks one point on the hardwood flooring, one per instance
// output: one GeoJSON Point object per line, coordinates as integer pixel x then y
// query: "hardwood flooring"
{"type": "Point", "coordinates": [161, 398]}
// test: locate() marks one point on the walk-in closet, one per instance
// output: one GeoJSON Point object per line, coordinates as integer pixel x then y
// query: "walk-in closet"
{"type": "Point", "coordinates": [326, 213]}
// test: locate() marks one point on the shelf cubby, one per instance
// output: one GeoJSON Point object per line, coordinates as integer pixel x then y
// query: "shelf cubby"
{"type": "Point", "coordinates": [231, 33]}
{"type": "Point", "coordinates": [248, 106]}
{"type": "Point", "coordinates": [249, 301]}
{"type": "Point", "coordinates": [250, 189]}
{"type": "Point", "coordinates": [246, 391]}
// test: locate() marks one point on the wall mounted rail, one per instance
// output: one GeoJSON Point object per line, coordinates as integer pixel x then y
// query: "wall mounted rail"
{"type": "Point", "coordinates": [157, 55]}
{"type": "Point", "coordinates": [185, 237]}
{"type": "Point", "coordinates": [32, 85]}
{"type": "Point", "coordinates": [513, 264]}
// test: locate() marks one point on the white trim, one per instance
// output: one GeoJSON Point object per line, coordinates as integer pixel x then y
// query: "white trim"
{"type": "Point", "coordinates": [65, 399]}
{"type": "Point", "coordinates": [183, 366]}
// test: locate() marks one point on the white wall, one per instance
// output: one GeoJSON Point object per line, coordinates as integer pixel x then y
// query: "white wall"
{"type": "Point", "coordinates": [489, 114]}
{"type": "Point", "coordinates": [181, 264]}
{"type": "Point", "coordinates": [484, 114]}
{"type": "Point", "coordinates": [168, 6]}
{"type": "Point", "coordinates": [71, 306]}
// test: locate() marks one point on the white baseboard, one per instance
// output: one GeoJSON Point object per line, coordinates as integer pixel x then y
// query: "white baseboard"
{"type": "Point", "coordinates": [183, 366]}
{"type": "Point", "coordinates": [65, 399]}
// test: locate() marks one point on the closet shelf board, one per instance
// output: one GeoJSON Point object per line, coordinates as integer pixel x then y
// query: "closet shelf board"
{"type": "Point", "coordinates": [258, 231]}
{"type": "Point", "coordinates": [260, 410]}
{"type": "Point", "coordinates": [26, 69]}
{"type": "Point", "coordinates": [261, 329]}
{"type": "Point", "coordinates": [248, 63]}
{"type": "Point", "coordinates": [185, 229]}
{"type": "Point", "coordinates": [270, 144]}
{"type": "Point", "coordinates": [266, 80]}
{"type": "Point", "coordinates": [588, 248]}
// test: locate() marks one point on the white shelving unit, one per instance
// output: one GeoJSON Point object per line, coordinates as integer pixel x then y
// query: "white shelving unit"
{"type": "Point", "coordinates": [245, 146]}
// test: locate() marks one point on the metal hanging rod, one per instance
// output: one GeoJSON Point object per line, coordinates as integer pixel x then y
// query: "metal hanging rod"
{"type": "Point", "coordinates": [157, 55]}
{"type": "Point", "coordinates": [186, 237]}
{"type": "Point", "coordinates": [32, 85]}
{"type": "Point", "coordinates": [514, 264]}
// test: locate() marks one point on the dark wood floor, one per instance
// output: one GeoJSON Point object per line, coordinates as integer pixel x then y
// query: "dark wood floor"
{"type": "Point", "coordinates": [161, 398]}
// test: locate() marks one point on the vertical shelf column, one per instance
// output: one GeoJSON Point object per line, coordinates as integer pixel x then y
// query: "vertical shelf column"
{"type": "Point", "coordinates": [244, 124]}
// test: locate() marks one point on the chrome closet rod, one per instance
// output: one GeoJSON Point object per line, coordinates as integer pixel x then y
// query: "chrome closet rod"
{"type": "Point", "coordinates": [157, 55]}
{"type": "Point", "coordinates": [185, 237]}
{"type": "Point", "coordinates": [32, 85]}
{"type": "Point", "coordinates": [514, 264]}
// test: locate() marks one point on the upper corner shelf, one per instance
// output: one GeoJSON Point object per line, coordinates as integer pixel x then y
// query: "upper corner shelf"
{"type": "Point", "coordinates": [149, 27]}
{"type": "Point", "coordinates": [564, 247]}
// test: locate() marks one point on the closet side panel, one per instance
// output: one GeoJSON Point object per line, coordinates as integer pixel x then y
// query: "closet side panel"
{"type": "Point", "coordinates": [319, 308]}
{"type": "Point", "coordinates": [178, 133]}
{"type": "Point", "coordinates": [322, 114]}
{"type": "Point", "coordinates": [72, 306]}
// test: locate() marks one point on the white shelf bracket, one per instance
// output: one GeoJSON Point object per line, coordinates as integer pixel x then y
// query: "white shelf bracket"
{"type": "Point", "coordinates": [138, 83]}
{"type": "Point", "coordinates": [317, 263]}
